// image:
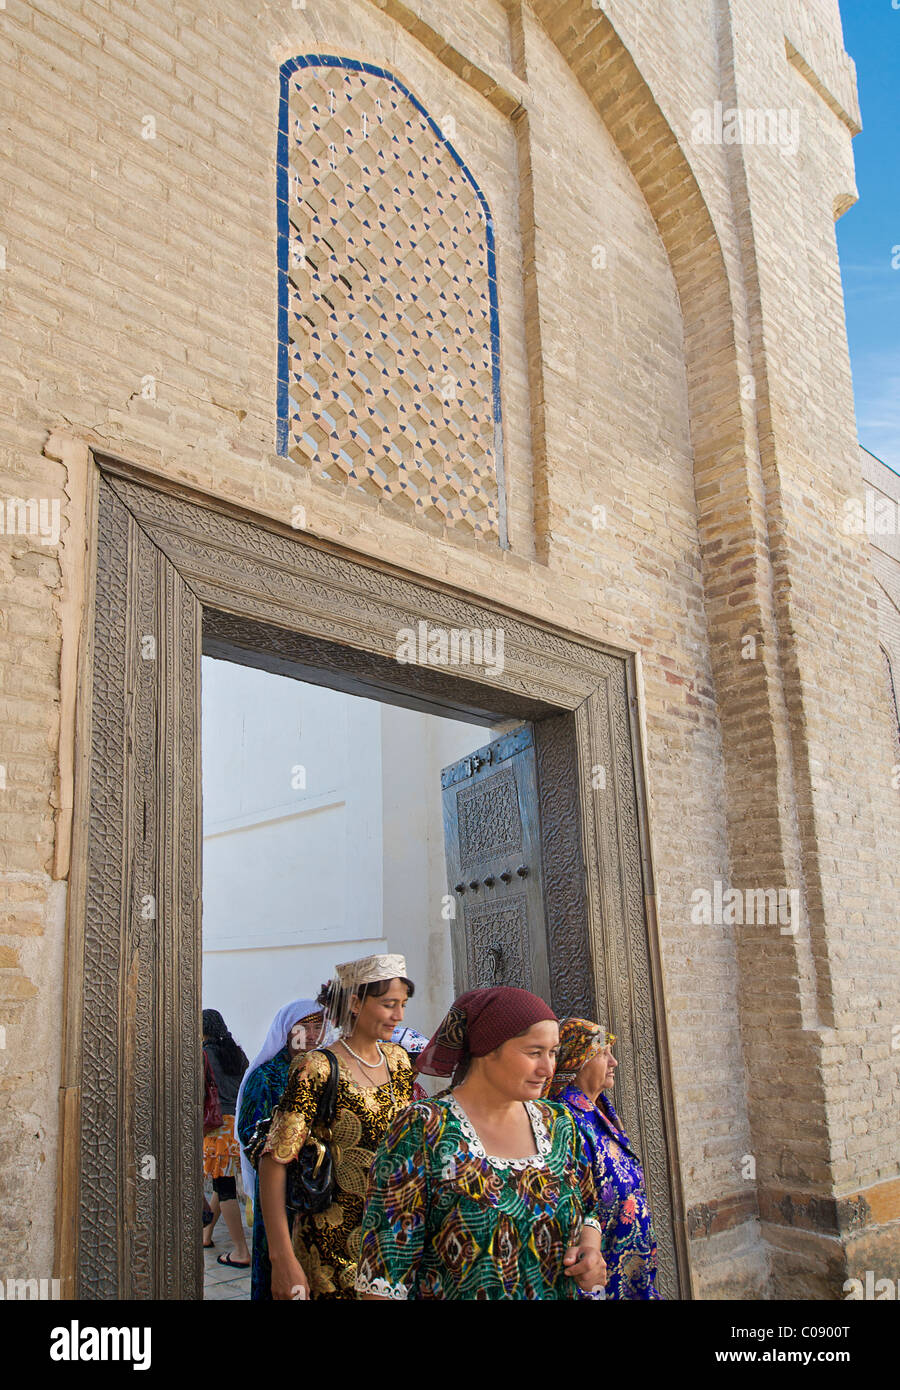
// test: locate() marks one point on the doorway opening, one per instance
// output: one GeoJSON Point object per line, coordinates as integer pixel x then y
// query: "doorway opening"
{"type": "Point", "coordinates": [323, 841]}
{"type": "Point", "coordinates": [178, 578]}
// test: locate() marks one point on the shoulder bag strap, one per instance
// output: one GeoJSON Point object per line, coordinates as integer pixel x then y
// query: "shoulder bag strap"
{"type": "Point", "coordinates": [328, 1099]}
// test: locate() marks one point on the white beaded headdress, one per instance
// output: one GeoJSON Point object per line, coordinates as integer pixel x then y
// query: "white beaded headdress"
{"type": "Point", "coordinates": [370, 970]}
{"type": "Point", "coordinates": [350, 977]}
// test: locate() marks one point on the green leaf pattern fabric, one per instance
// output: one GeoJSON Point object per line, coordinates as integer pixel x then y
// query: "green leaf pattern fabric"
{"type": "Point", "coordinates": [443, 1220]}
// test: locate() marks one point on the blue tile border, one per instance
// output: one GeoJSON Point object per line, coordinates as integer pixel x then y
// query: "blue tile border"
{"type": "Point", "coordinates": [282, 200]}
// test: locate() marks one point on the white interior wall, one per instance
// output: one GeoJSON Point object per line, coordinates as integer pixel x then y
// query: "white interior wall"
{"type": "Point", "coordinates": [415, 747]}
{"type": "Point", "coordinates": [303, 869]}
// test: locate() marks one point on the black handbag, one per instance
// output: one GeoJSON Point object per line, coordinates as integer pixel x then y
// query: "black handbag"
{"type": "Point", "coordinates": [311, 1178]}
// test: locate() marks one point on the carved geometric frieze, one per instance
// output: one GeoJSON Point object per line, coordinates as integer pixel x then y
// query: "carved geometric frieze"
{"type": "Point", "coordinates": [497, 944]}
{"type": "Point", "coordinates": [489, 820]}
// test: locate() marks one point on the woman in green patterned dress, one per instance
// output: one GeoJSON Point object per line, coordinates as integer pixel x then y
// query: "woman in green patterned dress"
{"type": "Point", "coordinates": [317, 1257]}
{"type": "Point", "coordinates": [484, 1192]}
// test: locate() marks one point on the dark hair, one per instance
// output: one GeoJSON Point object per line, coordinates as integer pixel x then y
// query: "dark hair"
{"type": "Point", "coordinates": [338, 998]}
{"type": "Point", "coordinates": [461, 1070]}
{"type": "Point", "coordinates": [231, 1056]}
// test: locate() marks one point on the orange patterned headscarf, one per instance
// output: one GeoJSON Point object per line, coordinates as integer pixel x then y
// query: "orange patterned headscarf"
{"type": "Point", "coordinates": [579, 1039]}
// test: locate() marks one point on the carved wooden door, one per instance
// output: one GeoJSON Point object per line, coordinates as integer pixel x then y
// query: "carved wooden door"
{"type": "Point", "coordinates": [493, 844]}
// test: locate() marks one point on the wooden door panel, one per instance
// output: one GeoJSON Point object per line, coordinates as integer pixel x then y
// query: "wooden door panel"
{"type": "Point", "coordinates": [493, 845]}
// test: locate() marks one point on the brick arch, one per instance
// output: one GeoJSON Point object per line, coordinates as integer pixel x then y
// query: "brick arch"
{"type": "Point", "coordinates": [736, 490]}
{"type": "Point", "coordinates": [891, 689]}
{"type": "Point", "coordinates": [609, 75]}
{"type": "Point", "coordinates": [772, 834]}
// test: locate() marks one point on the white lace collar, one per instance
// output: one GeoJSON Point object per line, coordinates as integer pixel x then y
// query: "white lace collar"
{"type": "Point", "coordinates": [538, 1129]}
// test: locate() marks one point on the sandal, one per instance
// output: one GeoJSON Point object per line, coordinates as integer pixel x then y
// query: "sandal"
{"type": "Point", "coordinates": [232, 1264]}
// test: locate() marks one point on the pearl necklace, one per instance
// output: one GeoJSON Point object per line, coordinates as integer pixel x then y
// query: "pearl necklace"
{"type": "Point", "coordinates": [372, 1066]}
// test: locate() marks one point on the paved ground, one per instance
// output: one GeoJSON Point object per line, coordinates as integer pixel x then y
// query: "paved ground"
{"type": "Point", "coordinates": [219, 1281]}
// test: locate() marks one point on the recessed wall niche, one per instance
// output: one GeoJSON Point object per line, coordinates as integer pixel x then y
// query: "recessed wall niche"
{"type": "Point", "coordinates": [388, 322]}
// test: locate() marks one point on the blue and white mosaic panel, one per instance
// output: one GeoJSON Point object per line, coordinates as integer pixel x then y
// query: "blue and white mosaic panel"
{"type": "Point", "coordinates": [388, 326]}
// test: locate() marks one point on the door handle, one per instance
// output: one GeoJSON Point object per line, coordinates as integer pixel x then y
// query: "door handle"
{"type": "Point", "coordinates": [496, 955]}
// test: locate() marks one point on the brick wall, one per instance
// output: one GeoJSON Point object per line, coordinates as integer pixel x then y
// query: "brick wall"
{"type": "Point", "coordinates": [678, 420]}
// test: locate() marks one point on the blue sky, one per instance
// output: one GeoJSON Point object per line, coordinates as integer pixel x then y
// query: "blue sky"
{"type": "Point", "coordinates": [869, 233]}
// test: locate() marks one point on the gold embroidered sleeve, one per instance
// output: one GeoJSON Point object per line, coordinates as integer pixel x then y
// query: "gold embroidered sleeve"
{"type": "Point", "coordinates": [296, 1111]}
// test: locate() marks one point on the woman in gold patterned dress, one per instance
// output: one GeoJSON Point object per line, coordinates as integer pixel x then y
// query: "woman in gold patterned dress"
{"type": "Point", "coordinates": [317, 1259]}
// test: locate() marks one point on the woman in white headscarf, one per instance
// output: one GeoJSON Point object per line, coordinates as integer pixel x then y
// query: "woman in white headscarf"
{"type": "Point", "coordinates": [294, 1028]}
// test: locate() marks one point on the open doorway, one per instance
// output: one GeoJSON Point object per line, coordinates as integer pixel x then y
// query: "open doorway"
{"type": "Point", "coordinates": [177, 577]}
{"type": "Point", "coordinates": [323, 841]}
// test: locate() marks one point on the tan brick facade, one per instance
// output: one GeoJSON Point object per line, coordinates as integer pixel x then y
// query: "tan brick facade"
{"type": "Point", "coordinates": [679, 444]}
{"type": "Point", "coordinates": [878, 510]}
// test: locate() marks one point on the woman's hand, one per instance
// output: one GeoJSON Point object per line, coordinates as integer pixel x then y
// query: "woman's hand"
{"type": "Point", "coordinates": [585, 1263]}
{"type": "Point", "coordinates": [289, 1280]}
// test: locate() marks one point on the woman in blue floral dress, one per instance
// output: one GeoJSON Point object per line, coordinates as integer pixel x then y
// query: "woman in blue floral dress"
{"type": "Point", "coordinates": [585, 1068]}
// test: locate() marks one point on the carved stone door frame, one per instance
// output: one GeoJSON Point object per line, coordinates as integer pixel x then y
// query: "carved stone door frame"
{"type": "Point", "coordinates": [176, 574]}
